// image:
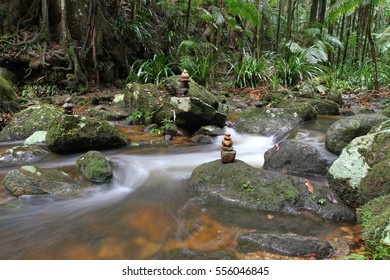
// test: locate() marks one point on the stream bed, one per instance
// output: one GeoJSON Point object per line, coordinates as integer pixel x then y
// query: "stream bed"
{"type": "Point", "coordinates": [149, 210]}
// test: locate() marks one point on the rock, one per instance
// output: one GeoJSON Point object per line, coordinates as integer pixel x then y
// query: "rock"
{"type": "Point", "coordinates": [325, 106]}
{"type": "Point", "coordinates": [386, 112]}
{"type": "Point", "coordinates": [375, 220]}
{"type": "Point", "coordinates": [105, 112]}
{"type": "Point", "coordinates": [119, 100]}
{"type": "Point", "coordinates": [273, 121]}
{"type": "Point", "coordinates": [362, 170]}
{"type": "Point", "coordinates": [9, 100]}
{"type": "Point", "coordinates": [228, 154]}
{"type": "Point", "coordinates": [296, 158]}
{"type": "Point", "coordinates": [94, 167]}
{"type": "Point", "coordinates": [241, 184]}
{"type": "Point", "coordinates": [192, 113]}
{"type": "Point", "coordinates": [71, 134]}
{"type": "Point", "coordinates": [23, 154]}
{"type": "Point", "coordinates": [31, 180]}
{"type": "Point", "coordinates": [343, 131]}
{"type": "Point", "coordinates": [189, 254]}
{"type": "Point", "coordinates": [210, 130]}
{"type": "Point", "coordinates": [384, 126]}
{"type": "Point", "coordinates": [36, 138]}
{"type": "Point", "coordinates": [202, 139]}
{"type": "Point", "coordinates": [285, 244]}
{"type": "Point", "coordinates": [30, 120]}
{"type": "Point", "coordinates": [172, 86]}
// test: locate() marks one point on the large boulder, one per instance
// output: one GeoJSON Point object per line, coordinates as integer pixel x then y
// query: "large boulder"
{"type": "Point", "coordinates": [8, 99]}
{"type": "Point", "coordinates": [241, 184]}
{"type": "Point", "coordinates": [95, 167]}
{"type": "Point", "coordinates": [285, 244]}
{"type": "Point", "coordinates": [105, 112]}
{"type": "Point", "coordinates": [31, 180]}
{"type": "Point", "coordinates": [343, 131]}
{"type": "Point", "coordinates": [325, 106]}
{"type": "Point", "coordinates": [70, 134]}
{"type": "Point", "coordinates": [171, 85]}
{"type": "Point", "coordinates": [374, 217]}
{"type": "Point", "coordinates": [149, 104]}
{"type": "Point", "coordinates": [361, 173]}
{"type": "Point", "coordinates": [274, 121]}
{"type": "Point", "coordinates": [30, 120]}
{"type": "Point", "coordinates": [296, 158]}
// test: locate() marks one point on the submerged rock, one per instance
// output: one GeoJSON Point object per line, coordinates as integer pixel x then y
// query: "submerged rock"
{"type": "Point", "coordinates": [285, 244]}
{"type": "Point", "coordinates": [343, 131]}
{"type": "Point", "coordinates": [31, 180]}
{"type": "Point", "coordinates": [241, 184]}
{"type": "Point", "coordinates": [22, 154]}
{"type": "Point", "coordinates": [189, 254]}
{"type": "Point", "coordinates": [30, 120]}
{"type": "Point", "coordinates": [71, 134]}
{"type": "Point", "coordinates": [94, 167]}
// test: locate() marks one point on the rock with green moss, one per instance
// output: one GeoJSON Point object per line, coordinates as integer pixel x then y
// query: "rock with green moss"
{"type": "Point", "coordinates": [109, 113]}
{"type": "Point", "coordinates": [171, 85]}
{"type": "Point", "coordinates": [8, 99]}
{"type": "Point", "coordinates": [241, 184]}
{"type": "Point", "coordinates": [381, 127]}
{"type": "Point", "coordinates": [94, 167]}
{"type": "Point", "coordinates": [361, 172]}
{"type": "Point", "coordinates": [32, 180]}
{"type": "Point", "coordinates": [274, 121]}
{"type": "Point", "coordinates": [71, 134]}
{"type": "Point", "coordinates": [343, 131]}
{"type": "Point", "coordinates": [386, 112]}
{"type": "Point", "coordinates": [30, 120]}
{"type": "Point", "coordinates": [375, 220]}
{"type": "Point", "coordinates": [325, 106]}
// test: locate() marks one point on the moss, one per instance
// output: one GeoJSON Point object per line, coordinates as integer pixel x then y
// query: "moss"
{"type": "Point", "coordinates": [379, 150]}
{"type": "Point", "coordinates": [386, 112]}
{"type": "Point", "coordinates": [8, 100]}
{"type": "Point", "coordinates": [95, 167]}
{"type": "Point", "coordinates": [376, 183]}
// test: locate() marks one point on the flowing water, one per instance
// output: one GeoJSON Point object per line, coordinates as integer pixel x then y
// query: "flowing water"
{"type": "Point", "coordinates": [149, 208]}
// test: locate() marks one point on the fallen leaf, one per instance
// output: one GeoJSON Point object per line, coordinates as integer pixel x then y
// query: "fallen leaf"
{"type": "Point", "coordinates": [309, 185]}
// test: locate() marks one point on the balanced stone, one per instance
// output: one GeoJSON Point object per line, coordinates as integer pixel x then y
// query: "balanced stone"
{"type": "Point", "coordinates": [228, 154]}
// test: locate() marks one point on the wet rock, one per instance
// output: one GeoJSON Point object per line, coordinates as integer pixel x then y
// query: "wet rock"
{"type": "Point", "coordinates": [31, 180]}
{"type": "Point", "coordinates": [274, 121]}
{"type": "Point", "coordinates": [94, 167]}
{"type": "Point", "coordinates": [296, 158]}
{"type": "Point", "coordinates": [325, 106]}
{"type": "Point", "coordinates": [202, 139]}
{"type": "Point", "coordinates": [70, 134]}
{"type": "Point", "coordinates": [343, 131]}
{"type": "Point", "coordinates": [30, 120]}
{"type": "Point", "coordinates": [21, 154]}
{"type": "Point", "coordinates": [375, 220]}
{"type": "Point", "coordinates": [9, 100]}
{"type": "Point", "coordinates": [241, 184]}
{"type": "Point", "coordinates": [210, 130]}
{"type": "Point", "coordinates": [361, 173]}
{"type": "Point", "coordinates": [188, 254]}
{"type": "Point", "coordinates": [285, 244]}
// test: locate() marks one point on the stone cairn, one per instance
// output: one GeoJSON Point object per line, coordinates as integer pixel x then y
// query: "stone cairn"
{"type": "Point", "coordinates": [184, 81]}
{"type": "Point", "coordinates": [228, 155]}
{"type": "Point", "coordinates": [68, 106]}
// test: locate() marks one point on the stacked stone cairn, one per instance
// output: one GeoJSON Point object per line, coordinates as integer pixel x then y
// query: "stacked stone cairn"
{"type": "Point", "coordinates": [228, 155]}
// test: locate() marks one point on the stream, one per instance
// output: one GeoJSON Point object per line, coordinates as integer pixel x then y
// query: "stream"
{"type": "Point", "coordinates": [149, 208]}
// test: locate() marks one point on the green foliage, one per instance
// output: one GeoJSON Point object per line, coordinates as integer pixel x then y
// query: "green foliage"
{"type": "Point", "coordinates": [251, 71]}
{"type": "Point", "coordinates": [167, 124]}
{"type": "Point", "coordinates": [152, 70]}
{"type": "Point", "coordinates": [247, 186]}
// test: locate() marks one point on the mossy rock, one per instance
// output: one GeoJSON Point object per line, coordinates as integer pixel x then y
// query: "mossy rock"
{"type": "Point", "coordinates": [375, 220]}
{"type": "Point", "coordinates": [381, 127]}
{"type": "Point", "coordinates": [171, 85]}
{"type": "Point", "coordinates": [386, 112]}
{"type": "Point", "coordinates": [30, 120]}
{"type": "Point", "coordinates": [23, 154]}
{"type": "Point", "coordinates": [32, 180]}
{"type": "Point", "coordinates": [274, 121]}
{"type": "Point", "coordinates": [343, 131]}
{"type": "Point", "coordinates": [8, 99]}
{"type": "Point", "coordinates": [71, 134]}
{"type": "Point", "coordinates": [94, 167]}
{"type": "Point", "coordinates": [241, 184]}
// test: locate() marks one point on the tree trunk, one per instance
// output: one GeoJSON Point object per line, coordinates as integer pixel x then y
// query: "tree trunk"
{"type": "Point", "coordinates": [372, 44]}
{"type": "Point", "coordinates": [313, 13]}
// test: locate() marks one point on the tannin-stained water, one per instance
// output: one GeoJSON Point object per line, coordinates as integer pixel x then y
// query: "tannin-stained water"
{"type": "Point", "coordinates": [148, 209]}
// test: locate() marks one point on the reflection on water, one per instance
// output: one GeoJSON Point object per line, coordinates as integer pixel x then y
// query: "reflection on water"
{"type": "Point", "coordinates": [148, 209]}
